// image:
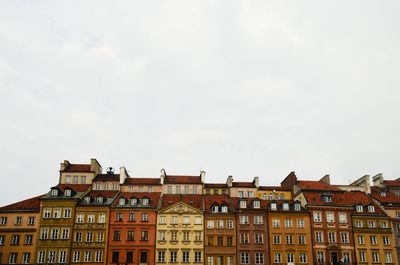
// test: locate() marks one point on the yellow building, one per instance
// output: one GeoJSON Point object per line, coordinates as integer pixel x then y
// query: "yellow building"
{"type": "Point", "coordinates": [276, 193]}
{"type": "Point", "coordinates": [215, 189]}
{"type": "Point", "coordinates": [180, 234]}
{"type": "Point", "coordinates": [18, 231]}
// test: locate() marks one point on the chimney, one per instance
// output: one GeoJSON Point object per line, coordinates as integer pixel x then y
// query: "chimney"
{"type": "Point", "coordinates": [122, 175]}
{"type": "Point", "coordinates": [326, 179]}
{"type": "Point", "coordinates": [202, 175]}
{"type": "Point", "coordinates": [64, 165]}
{"type": "Point", "coordinates": [95, 166]}
{"type": "Point", "coordinates": [163, 175]}
{"type": "Point", "coordinates": [256, 181]}
{"type": "Point", "coordinates": [229, 181]}
{"type": "Point", "coordinates": [378, 180]}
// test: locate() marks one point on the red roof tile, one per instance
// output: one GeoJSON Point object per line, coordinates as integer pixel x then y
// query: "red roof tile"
{"type": "Point", "coordinates": [315, 185]}
{"type": "Point", "coordinates": [390, 197]}
{"type": "Point", "coordinates": [32, 204]}
{"type": "Point", "coordinates": [243, 185]}
{"type": "Point", "coordinates": [107, 177]}
{"type": "Point", "coordinates": [77, 168]}
{"type": "Point", "coordinates": [196, 201]}
{"type": "Point", "coordinates": [391, 183]}
{"type": "Point", "coordinates": [142, 181]}
{"type": "Point", "coordinates": [209, 200]}
{"type": "Point", "coordinates": [153, 196]}
{"type": "Point", "coordinates": [74, 187]}
{"type": "Point", "coordinates": [215, 185]}
{"type": "Point", "coordinates": [278, 188]}
{"type": "Point", "coordinates": [103, 193]}
{"type": "Point", "coordinates": [182, 179]}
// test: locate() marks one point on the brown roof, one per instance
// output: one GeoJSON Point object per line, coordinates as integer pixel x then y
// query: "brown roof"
{"type": "Point", "coordinates": [347, 198]}
{"type": "Point", "coordinates": [316, 185]}
{"type": "Point", "coordinates": [103, 193]}
{"type": "Point", "coordinates": [196, 201]}
{"type": "Point", "coordinates": [243, 185]}
{"type": "Point", "coordinates": [390, 197]}
{"type": "Point", "coordinates": [74, 187]}
{"type": "Point", "coordinates": [32, 204]}
{"type": "Point", "coordinates": [142, 181]}
{"type": "Point", "coordinates": [279, 188]}
{"type": "Point", "coordinates": [77, 168]}
{"type": "Point", "coordinates": [215, 185]}
{"type": "Point", "coordinates": [153, 196]}
{"type": "Point", "coordinates": [391, 183]}
{"type": "Point", "coordinates": [107, 177]}
{"type": "Point", "coordinates": [210, 200]}
{"type": "Point", "coordinates": [169, 179]}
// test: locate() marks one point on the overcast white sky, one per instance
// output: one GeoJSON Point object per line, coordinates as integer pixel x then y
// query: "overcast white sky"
{"type": "Point", "coordinates": [242, 88]}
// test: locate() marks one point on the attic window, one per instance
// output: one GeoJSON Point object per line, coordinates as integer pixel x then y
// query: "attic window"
{"type": "Point", "coordinates": [67, 193]}
{"type": "Point", "coordinates": [256, 204]}
{"type": "Point", "coordinates": [86, 199]}
{"type": "Point", "coordinates": [133, 201]}
{"type": "Point", "coordinates": [224, 209]}
{"type": "Point", "coordinates": [297, 207]}
{"type": "Point", "coordinates": [243, 204]}
{"type": "Point", "coordinates": [145, 201]}
{"type": "Point", "coordinates": [54, 192]}
{"type": "Point", "coordinates": [99, 199]}
{"type": "Point", "coordinates": [273, 206]}
{"type": "Point", "coordinates": [383, 194]}
{"type": "Point", "coordinates": [285, 206]}
{"type": "Point", "coordinates": [214, 208]}
{"type": "Point", "coordinates": [359, 208]}
{"type": "Point", "coordinates": [122, 201]}
{"type": "Point", "coordinates": [371, 208]}
{"type": "Point", "coordinates": [327, 198]}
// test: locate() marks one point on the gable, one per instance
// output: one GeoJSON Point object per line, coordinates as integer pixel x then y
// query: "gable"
{"type": "Point", "coordinates": [181, 208]}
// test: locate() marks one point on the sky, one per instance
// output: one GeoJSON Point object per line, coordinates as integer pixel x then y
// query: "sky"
{"type": "Point", "coordinates": [241, 88]}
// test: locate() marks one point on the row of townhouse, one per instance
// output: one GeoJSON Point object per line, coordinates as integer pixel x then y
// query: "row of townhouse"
{"type": "Point", "coordinates": [95, 218]}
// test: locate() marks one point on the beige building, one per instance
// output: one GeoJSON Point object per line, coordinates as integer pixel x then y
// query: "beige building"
{"type": "Point", "coordinates": [180, 235]}
{"type": "Point", "coordinates": [179, 184]}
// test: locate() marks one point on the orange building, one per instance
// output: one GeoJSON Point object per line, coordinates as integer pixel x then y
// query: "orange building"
{"type": "Point", "coordinates": [19, 223]}
{"type": "Point", "coordinates": [132, 232]}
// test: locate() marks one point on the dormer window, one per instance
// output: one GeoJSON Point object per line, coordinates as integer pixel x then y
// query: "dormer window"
{"type": "Point", "coordinates": [133, 201]}
{"type": "Point", "coordinates": [243, 204]}
{"type": "Point", "coordinates": [67, 193]}
{"type": "Point", "coordinates": [121, 201]}
{"type": "Point", "coordinates": [54, 192]}
{"type": "Point", "coordinates": [86, 199]}
{"type": "Point", "coordinates": [214, 208]}
{"type": "Point", "coordinates": [145, 201]}
{"type": "Point", "coordinates": [383, 194]}
{"type": "Point", "coordinates": [359, 208]}
{"type": "Point", "coordinates": [264, 196]}
{"type": "Point", "coordinates": [297, 207]}
{"type": "Point", "coordinates": [371, 209]}
{"type": "Point", "coordinates": [285, 206]}
{"type": "Point", "coordinates": [224, 209]}
{"type": "Point", "coordinates": [99, 199]}
{"type": "Point", "coordinates": [273, 206]}
{"type": "Point", "coordinates": [327, 198]}
{"type": "Point", "coordinates": [256, 204]}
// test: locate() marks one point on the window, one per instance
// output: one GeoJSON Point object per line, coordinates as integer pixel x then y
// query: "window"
{"type": "Point", "coordinates": [331, 237]}
{"type": "Point", "coordinates": [317, 217]}
{"type": "Point", "coordinates": [88, 256]}
{"type": "Point", "coordinates": [162, 220]}
{"type": "Point", "coordinates": [243, 219]}
{"type": "Point", "coordinates": [79, 218]}
{"type": "Point", "coordinates": [373, 240]}
{"type": "Point", "coordinates": [375, 257]}
{"type": "Point", "coordinates": [244, 238]}
{"type": "Point", "coordinates": [169, 189]}
{"type": "Point", "coordinates": [28, 239]}
{"type": "Point", "coordinates": [197, 220]}
{"type": "Point", "coordinates": [229, 241]}
{"type": "Point", "coordinates": [327, 198]}
{"type": "Point", "coordinates": [98, 256]}
{"type": "Point", "coordinates": [276, 239]}
{"type": "Point", "coordinates": [210, 240]}
{"type": "Point", "coordinates": [102, 218]}
{"type": "Point", "coordinates": [303, 257]}
{"type": "Point", "coordinates": [371, 224]}
{"type": "Point", "coordinates": [297, 207]}
{"type": "Point", "coordinates": [83, 179]}
{"type": "Point", "coordinates": [290, 258]}
{"type": "Point", "coordinates": [144, 235]}
{"type": "Point", "coordinates": [197, 256]}
{"type": "Point", "coordinates": [44, 233]}
{"type": "Point", "coordinates": [229, 224]}
{"type": "Point", "coordinates": [371, 208]}
{"type": "Point", "coordinates": [258, 239]}
{"type": "Point", "coordinates": [214, 209]}
{"type": "Point", "coordinates": [12, 258]}
{"type": "Point", "coordinates": [320, 256]}
{"type": "Point", "coordinates": [78, 237]}
{"type": "Point", "coordinates": [131, 217]}
{"type": "Point", "coordinates": [244, 258]}
{"type": "Point", "coordinates": [100, 237]}
{"type": "Point", "coordinates": [243, 204]}
{"type": "Point", "coordinates": [358, 224]}
{"type": "Point", "coordinates": [65, 233]}
{"type": "Point", "coordinates": [277, 258]}
{"type": "Point", "coordinates": [342, 218]}
{"type": "Point", "coordinates": [186, 220]}
{"type": "Point", "coordinates": [186, 190]}
{"type": "Point", "coordinates": [276, 223]}
{"type": "Point", "coordinates": [133, 201]}
{"type": "Point", "coordinates": [388, 257]}
{"type": "Point", "coordinates": [302, 240]}
{"type": "Point", "coordinates": [41, 256]}
{"type": "Point", "coordinates": [46, 213]}
{"type": "Point", "coordinates": [224, 209]}
{"type": "Point", "coordinates": [330, 218]}
{"type": "Point", "coordinates": [273, 206]}
{"type": "Point", "coordinates": [57, 213]}
{"type": "Point", "coordinates": [361, 239]}
{"type": "Point", "coordinates": [15, 240]}
{"type": "Point", "coordinates": [129, 257]}
{"type": "Point", "coordinates": [256, 204]}
{"type": "Point", "coordinates": [161, 235]}
{"type": "Point", "coordinates": [241, 194]}
{"type": "Point", "coordinates": [115, 257]}
{"type": "Point", "coordinates": [67, 213]}
{"type": "Point", "coordinates": [289, 239]}
{"type": "Point", "coordinates": [3, 220]}
{"type": "Point", "coordinates": [145, 202]}
{"type": "Point", "coordinates": [117, 236]}
{"type": "Point", "coordinates": [210, 260]}
{"type": "Point", "coordinates": [285, 206]}
{"type": "Point", "coordinates": [346, 257]}
{"type": "Point", "coordinates": [2, 240]}
{"type": "Point", "coordinates": [90, 218]}
{"type": "Point", "coordinates": [319, 237]}
{"type": "Point", "coordinates": [54, 192]}
{"type": "Point", "coordinates": [26, 258]}
{"type": "Point", "coordinates": [161, 256]}
{"type": "Point", "coordinates": [185, 256]}
{"type": "Point", "coordinates": [68, 179]}
{"type": "Point", "coordinates": [258, 220]}
{"type": "Point", "coordinates": [344, 237]}
{"type": "Point", "coordinates": [210, 224]}
{"type": "Point", "coordinates": [288, 223]}
{"type": "Point", "coordinates": [359, 208]}
{"type": "Point", "coordinates": [220, 224]}
{"type": "Point", "coordinates": [121, 201]}
{"type": "Point", "coordinates": [173, 256]}
{"type": "Point", "coordinates": [174, 220]}
{"type": "Point", "coordinates": [86, 199]}
{"type": "Point", "coordinates": [150, 189]}
{"type": "Point", "coordinates": [18, 220]}
{"type": "Point", "coordinates": [197, 236]}
{"type": "Point", "coordinates": [384, 224]}
{"type": "Point", "coordinates": [67, 193]}
{"type": "Point", "coordinates": [386, 240]}
{"type": "Point", "coordinates": [177, 189]}
{"type": "Point", "coordinates": [75, 179]}
{"type": "Point", "coordinates": [131, 235]}
{"type": "Point", "coordinates": [89, 237]}
{"type": "Point", "coordinates": [259, 258]}
{"type": "Point", "coordinates": [174, 235]}
{"type": "Point", "coordinates": [62, 256]}
{"type": "Point", "coordinates": [31, 220]}
{"type": "Point", "coordinates": [145, 217]}
{"type": "Point", "coordinates": [118, 217]}
{"type": "Point", "coordinates": [51, 257]}
{"type": "Point", "coordinates": [300, 223]}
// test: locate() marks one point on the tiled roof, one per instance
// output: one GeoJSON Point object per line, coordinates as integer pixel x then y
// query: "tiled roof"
{"type": "Point", "coordinates": [391, 183]}
{"type": "Point", "coordinates": [153, 196]}
{"type": "Point", "coordinates": [277, 188]}
{"type": "Point", "coordinates": [243, 185]}
{"type": "Point", "coordinates": [77, 168]}
{"type": "Point", "coordinates": [102, 193]}
{"type": "Point", "coordinates": [74, 187]}
{"type": "Point", "coordinates": [32, 204]}
{"type": "Point", "coordinates": [182, 179]}
{"type": "Point", "coordinates": [235, 203]}
{"type": "Point", "coordinates": [390, 197]}
{"type": "Point", "coordinates": [142, 181]}
{"type": "Point", "coordinates": [210, 200]}
{"type": "Point", "coordinates": [215, 185]}
{"type": "Point", "coordinates": [196, 201]}
{"type": "Point", "coordinates": [315, 185]}
{"type": "Point", "coordinates": [346, 198]}
{"type": "Point", "coordinates": [107, 177]}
